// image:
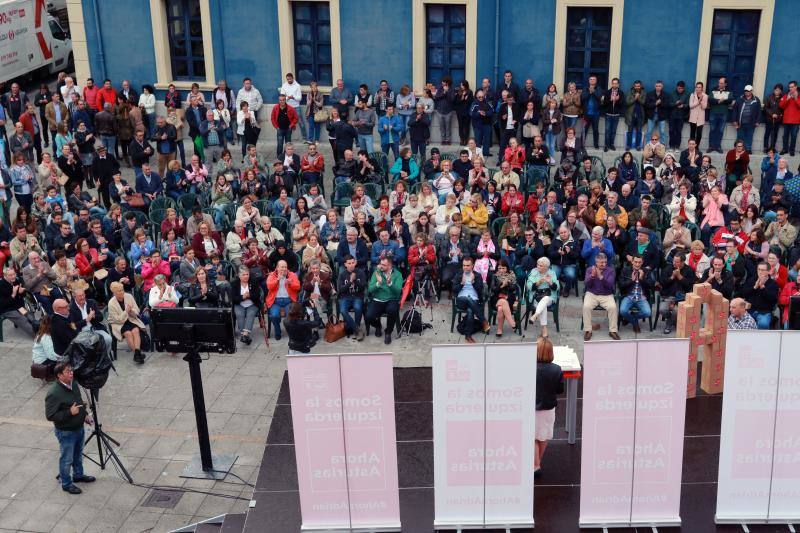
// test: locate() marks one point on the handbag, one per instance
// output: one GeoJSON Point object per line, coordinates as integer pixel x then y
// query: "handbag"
{"type": "Point", "coordinates": [62, 179]}
{"type": "Point", "coordinates": [530, 130]}
{"type": "Point", "coordinates": [100, 274]}
{"type": "Point", "coordinates": [334, 329]}
{"type": "Point", "coordinates": [321, 115]}
{"type": "Point", "coordinates": [135, 200]}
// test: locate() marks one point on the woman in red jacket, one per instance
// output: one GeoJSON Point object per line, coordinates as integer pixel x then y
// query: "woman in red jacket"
{"type": "Point", "coordinates": [513, 201]}
{"type": "Point", "coordinates": [87, 260]}
{"type": "Point", "coordinates": [206, 241]}
{"type": "Point", "coordinates": [283, 287]}
{"type": "Point", "coordinates": [515, 155]}
{"type": "Point", "coordinates": [422, 260]}
{"type": "Point", "coordinates": [790, 290]}
{"type": "Point", "coordinates": [777, 271]}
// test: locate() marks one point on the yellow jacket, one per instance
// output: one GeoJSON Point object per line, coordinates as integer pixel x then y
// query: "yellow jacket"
{"type": "Point", "coordinates": [475, 218]}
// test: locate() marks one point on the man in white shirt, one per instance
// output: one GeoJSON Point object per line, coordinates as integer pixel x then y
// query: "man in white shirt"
{"type": "Point", "coordinates": [248, 93]}
{"type": "Point", "coordinates": [294, 94]}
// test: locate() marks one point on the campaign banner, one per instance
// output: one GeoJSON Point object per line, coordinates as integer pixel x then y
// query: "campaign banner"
{"type": "Point", "coordinates": [658, 440]}
{"type": "Point", "coordinates": [748, 425]}
{"type": "Point", "coordinates": [784, 501]}
{"type": "Point", "coordinates": [314, 382]}
{"type": "Point", "coordinates": [369, 435]}
{"type": "Point", "coordinates": [459, 433]}
{"type": "Point", "coordinates": [345, 444]}
{"type": "Point", "coordinates": [510, 417]}
{"type": "Point", "coordinates": [609, 409]}
{"type": "Point", "coordinates": [633, 423]}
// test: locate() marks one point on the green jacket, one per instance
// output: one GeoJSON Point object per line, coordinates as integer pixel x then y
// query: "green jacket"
{"type": "Point", "coordinates": [57, 403]}
{"type": "Point", "coordinates": [389, 289]}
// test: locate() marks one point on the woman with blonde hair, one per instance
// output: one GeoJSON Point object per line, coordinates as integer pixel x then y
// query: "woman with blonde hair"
{"type": "Point", "coordinates": [123, 317]}
{"type": "Point", "coordinates": [549, 384]}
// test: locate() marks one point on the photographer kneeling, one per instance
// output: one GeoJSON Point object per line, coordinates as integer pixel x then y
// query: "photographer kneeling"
{"type": "Point", "coordinates": [303, 334]}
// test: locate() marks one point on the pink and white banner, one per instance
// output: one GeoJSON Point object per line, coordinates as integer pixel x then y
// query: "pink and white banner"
{"type": "Point", "coordinates": [344, 433]}
{"type": "Point", "coordinates": [760, 435]}
{"type": "Point", "coordinates": [634, 398]}
{"type": "Point", "coordinates": [483, 427]}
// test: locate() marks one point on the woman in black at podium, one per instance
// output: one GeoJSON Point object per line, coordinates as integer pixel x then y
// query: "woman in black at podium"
{"type": "Point", "coordinates": [549, 384]}
{"type": "Point", "coordinates": [302, 332]}
{"type": "Point", "coordinates": [203, 293]}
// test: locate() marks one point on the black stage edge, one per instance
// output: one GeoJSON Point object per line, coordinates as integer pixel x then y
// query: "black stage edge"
{"type": "Point", "coordinates": [557, 494]}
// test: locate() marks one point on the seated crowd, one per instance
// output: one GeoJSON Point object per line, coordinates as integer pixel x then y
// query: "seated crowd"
{"type": "Point", "coordinates": [262, 238]}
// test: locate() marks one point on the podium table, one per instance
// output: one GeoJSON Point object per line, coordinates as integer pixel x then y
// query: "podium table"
{"type": "Point", "coordinates": [567, 359]}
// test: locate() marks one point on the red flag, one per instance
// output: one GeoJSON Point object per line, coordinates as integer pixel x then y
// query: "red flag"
{"type": "Point", "coordinates": [406, 289]}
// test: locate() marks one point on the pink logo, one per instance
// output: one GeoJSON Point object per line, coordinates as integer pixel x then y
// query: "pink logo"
{"type": "Point", "coordinates": [454, 373]}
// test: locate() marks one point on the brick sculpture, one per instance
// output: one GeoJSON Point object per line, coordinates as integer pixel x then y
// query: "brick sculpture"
{"type": "Point", "coordinates": [710, 336]}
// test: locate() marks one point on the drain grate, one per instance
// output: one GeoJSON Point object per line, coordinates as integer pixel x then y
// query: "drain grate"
{"type": "Point", "coordinates": [165, 499]}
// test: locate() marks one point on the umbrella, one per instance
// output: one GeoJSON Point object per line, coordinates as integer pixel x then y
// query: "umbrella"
{"type": "Point", "coordinates": [406, 289]}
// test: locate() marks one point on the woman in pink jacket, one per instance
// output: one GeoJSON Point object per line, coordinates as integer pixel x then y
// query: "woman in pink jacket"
{"type": "Point", "coordinates": [713, 217]}
{"type": "Point", "coordinates": [698, 102]}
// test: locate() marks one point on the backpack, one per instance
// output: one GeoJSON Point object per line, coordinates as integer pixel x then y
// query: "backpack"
{"type": "Point", "coordinates": [463, 325]}
{"type": "Point", "coordinates": [412, 322]}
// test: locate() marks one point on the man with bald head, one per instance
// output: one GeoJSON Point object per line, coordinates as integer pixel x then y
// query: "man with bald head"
{"type": "Point", "coordinates": [739, 317]}
{"type": "Point", "coordinates": [62, 330]}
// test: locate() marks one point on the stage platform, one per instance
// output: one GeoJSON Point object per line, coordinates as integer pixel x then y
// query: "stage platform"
{"type": "Point", "coordinates": [557, 493]}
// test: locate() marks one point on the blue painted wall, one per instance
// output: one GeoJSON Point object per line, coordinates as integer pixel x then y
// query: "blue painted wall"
{"type": "Point", "coordinates": [374, 46]}
{"type": "Point", "coordinates": [659, 41]}
{"type": "Point", "coordinates": [377, 41]}
{"type": "Point", "coordinates": [784, 55]}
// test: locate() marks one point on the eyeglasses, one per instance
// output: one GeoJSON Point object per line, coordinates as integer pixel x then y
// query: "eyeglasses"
{"type": "Point", "coordinates": [654, 139]}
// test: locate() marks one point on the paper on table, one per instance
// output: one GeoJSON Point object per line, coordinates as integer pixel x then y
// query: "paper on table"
{"type": "Point", "coordinates": [566, 358]}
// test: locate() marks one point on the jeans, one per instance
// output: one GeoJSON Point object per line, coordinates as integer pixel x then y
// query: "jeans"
{"type": "Point", "coordinates": [651, 125]}
{"type": "Point", "coordinates": [366, 142]}
{"type": "Point", "coordinates": [301, 119]}
{"type": "Point", "coordinates": [418, 147]}
{"type": "Point", "coordinates": [314, 129]}
{"type": "Point", "coordinates": [593, 123]}
{"type": "Point", "coordinates": [283, 136]}
{"type": "Point", "coordinates": [550, 139]}
{"type": "Point", "coordinates": [275, 314]}
{"type": "Point", "coordinates": [444, 125]}
{"type": "Point", "coordinates": [612, 121]}
{"type": "Point", "coordinates": [569, 122]}
{"type": "Point", "coordinates": [790, 137]}
{"type": "Point", "coordinates": [404, 119]}
{"type": "Point", "coordinates": [376, 309]}
{"type": "Point", "coordinates": [633, 138]}
{"type": "Point", "coordinates": [110, 142]}
{"type": "Point", "coordinates": [150, 118]}
{"type": "Point", "coordinates": [70, 444]}
{"type": "Point", "coordinates": [245, 316]}
{"type": "Point", "coordinates": [346, 304]}
{"type": "Point", "coordinates": [473, 310]}
{"type": "Point", "coordinates": [182, 151]}
{"type": "Point", "coordinates": [483, 136]}
{"type": "Point", "coordinates": [745, 133]}
{"type": "Point", "coordinates": [632, 311]}
{"type": "Point", "coordinates": [568, 274]}
{"type": "Point", "coordinates": [762, 318]}
{"type": "Point", "coordinates": [717, 122]}
{"type": "Point", "coordinates": [675, 132]}
{"type": "Point", "coordinates": [395, 149]}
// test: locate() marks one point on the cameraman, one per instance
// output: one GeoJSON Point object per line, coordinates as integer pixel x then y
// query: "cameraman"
{"type": "Point", "coordinates": [351, 285]}
{"type": "Point", "coordinates": [302, 332]}
{"type": "Point", "coordinates": [422, 259]}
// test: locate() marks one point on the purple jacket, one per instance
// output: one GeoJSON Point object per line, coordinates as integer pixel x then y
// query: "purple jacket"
{"type": "Point", "coordinates": [600, 287]}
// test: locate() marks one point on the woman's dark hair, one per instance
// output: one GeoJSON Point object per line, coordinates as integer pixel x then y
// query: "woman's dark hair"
{"type": "Point", "coordinates": [296, 311]}
{"type": "Point", "coordinates": [503, 263]}
{"type": "Point", "coordinates": [44, 327]}
{"type": "Point", "coordinates": [760, 237]}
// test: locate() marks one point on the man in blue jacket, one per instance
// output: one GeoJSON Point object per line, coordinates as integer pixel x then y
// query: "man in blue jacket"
{"type": "Point", "coordinates": [385, 247]}
{"type": "Point", "coordinates": [596, 245]}
{"type": "Point", "coordinates": [149, 184]}
{"type": "Point", "coordinates": [354, 246]}
{"type": "Point", "coordinates": [481, 113]}
{"type": "Point", "coordinates": [746, 111]}
{"type": "Point", "coordinates": [390, 127]}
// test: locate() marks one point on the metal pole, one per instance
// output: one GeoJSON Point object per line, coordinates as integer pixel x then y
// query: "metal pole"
{"type": "Point", "coordinates": [193, 358]}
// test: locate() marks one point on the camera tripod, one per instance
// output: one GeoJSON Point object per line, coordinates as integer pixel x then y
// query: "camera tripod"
{"type": "Point", "coordinates": [105, 443]}
{"type": "Point", "coordinates": [425, 283]}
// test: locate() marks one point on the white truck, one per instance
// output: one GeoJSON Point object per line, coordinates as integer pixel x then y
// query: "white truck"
{"type": "Point", "coordinates": [32, 42]}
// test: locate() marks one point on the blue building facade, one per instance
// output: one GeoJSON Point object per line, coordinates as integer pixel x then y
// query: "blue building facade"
{"type": "Point", "coordinates": [415, 41]}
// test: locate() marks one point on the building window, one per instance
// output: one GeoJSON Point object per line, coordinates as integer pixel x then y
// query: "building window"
{"type": "Point", "coordinates": [312, 42]}
{"type": "Point", "coordinates": [185, 33]}
{"type": "Point", "coordinates": [588, 46]}
{"type": "Point", "coordinates": [734, 40]}
{"type": "Point", "coordinates": [446, 28]}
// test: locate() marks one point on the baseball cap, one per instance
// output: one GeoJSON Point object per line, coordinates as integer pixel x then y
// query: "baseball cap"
{"type": "Point", "coordinates": [748, 88]}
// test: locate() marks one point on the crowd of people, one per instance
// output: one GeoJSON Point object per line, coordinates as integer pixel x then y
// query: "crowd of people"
{"type": "Point", "coordinates": [212, 226]}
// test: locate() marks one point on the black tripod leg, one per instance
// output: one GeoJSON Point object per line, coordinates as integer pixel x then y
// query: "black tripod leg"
{"type": "Point", "coordinates": [112, 456]}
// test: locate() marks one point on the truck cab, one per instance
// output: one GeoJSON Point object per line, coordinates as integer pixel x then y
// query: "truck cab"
{"type": "Point", "coordinates": [61, 46]}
